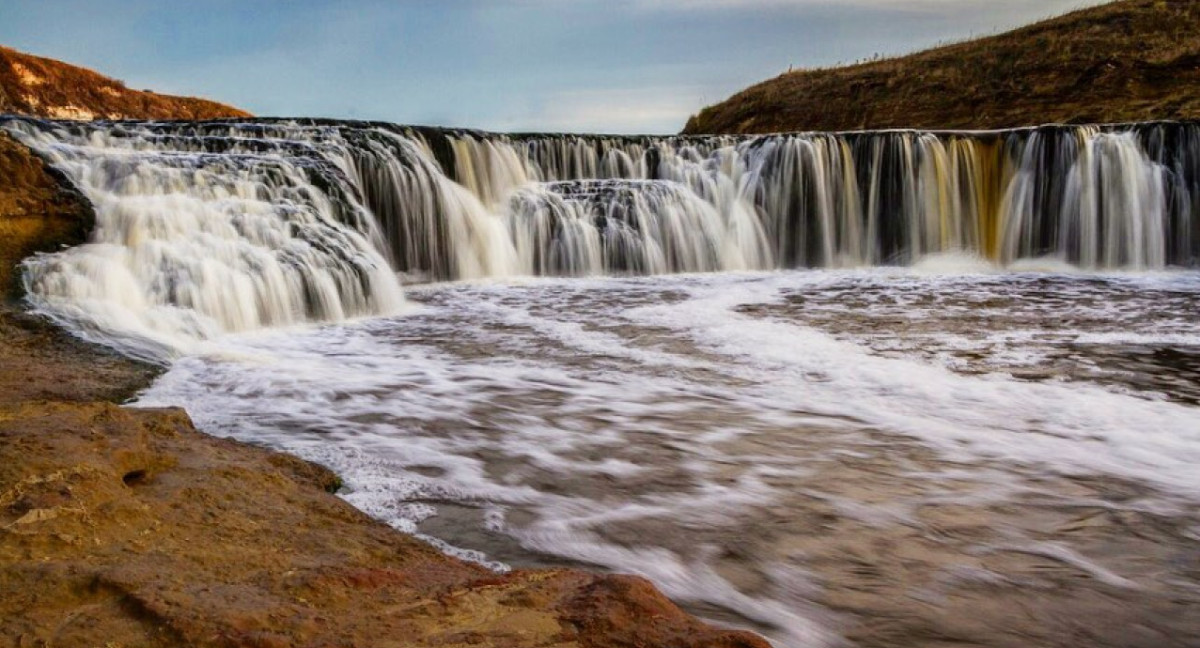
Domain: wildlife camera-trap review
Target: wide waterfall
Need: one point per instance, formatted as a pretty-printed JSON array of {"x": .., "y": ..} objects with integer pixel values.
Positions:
[
  {"x": 850, "y": 455},
  {"x": 211, "y": 227}
]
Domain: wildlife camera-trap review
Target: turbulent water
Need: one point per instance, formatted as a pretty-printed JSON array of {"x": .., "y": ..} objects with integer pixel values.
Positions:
[
  {"x": 892, "y": 457},
  {"x": 873, "y": 388}
]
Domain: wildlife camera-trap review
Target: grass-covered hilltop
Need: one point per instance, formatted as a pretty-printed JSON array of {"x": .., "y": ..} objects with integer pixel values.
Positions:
[
  {"x": 43, "y": 87},
  {"x": 1133, "y": 60}
]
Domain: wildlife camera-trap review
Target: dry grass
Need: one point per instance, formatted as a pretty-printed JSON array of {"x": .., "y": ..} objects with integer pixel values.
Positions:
[
  {"x": 32, "y": 85},
  {"x": 1133, "y": 60}
]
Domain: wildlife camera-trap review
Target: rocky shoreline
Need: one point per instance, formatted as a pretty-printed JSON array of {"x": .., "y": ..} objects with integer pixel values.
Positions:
[{"x": 128, "y": 527}]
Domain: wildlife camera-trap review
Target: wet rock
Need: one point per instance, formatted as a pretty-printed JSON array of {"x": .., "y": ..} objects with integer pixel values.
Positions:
[{"x": 39, "y": 212}]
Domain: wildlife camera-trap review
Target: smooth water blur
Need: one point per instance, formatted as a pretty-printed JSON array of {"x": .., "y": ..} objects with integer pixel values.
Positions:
[
  {"x": 878, "y": 457},
  {"x": 987, "y": 448},
  {"x": 208, "y": 228}
]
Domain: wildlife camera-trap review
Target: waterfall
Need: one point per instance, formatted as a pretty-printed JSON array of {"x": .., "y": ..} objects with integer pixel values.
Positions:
[
  {"x": 204, "y": 230},
  {"x": 212, "y": 227},
  {"x": 1100, "y": 198},
  {"x": 629, "y": 227},
  {"x": 436, "y": 227}
]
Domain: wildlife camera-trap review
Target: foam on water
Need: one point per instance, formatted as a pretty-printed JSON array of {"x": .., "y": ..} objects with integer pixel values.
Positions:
[
  {"x": 955, "y": 262},
  {"x": 1074, "y": 429},
  {"x": 643, "y": 424}
]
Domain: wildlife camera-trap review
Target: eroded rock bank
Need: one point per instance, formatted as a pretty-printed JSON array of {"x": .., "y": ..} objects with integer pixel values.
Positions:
[{"x": 128, "y": 527}]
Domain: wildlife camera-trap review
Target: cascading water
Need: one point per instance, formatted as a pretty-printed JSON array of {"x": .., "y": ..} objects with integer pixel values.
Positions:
[
  {"x": 769, "y": 448},
  {"x": 1118, "y": 197},
  {"x": 640, "y": 227},
  {"x": 205, "y": 228},
  {"x": 200, "y": 233}
]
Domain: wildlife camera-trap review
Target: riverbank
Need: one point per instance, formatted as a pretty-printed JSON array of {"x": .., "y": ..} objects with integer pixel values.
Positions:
[{"x": 128, "y": 527}]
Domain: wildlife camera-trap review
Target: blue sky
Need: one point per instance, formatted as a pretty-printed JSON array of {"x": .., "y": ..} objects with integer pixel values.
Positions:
[{"x": 621, "y": 66}]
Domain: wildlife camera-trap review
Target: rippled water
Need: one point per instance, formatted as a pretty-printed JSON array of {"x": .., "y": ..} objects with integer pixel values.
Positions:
[{"x": 873, "y": 458}]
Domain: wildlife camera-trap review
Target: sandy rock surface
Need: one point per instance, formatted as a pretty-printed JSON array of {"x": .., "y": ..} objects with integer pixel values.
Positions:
[
  {"x": 38, "y": 212},
  {"x": 128, "y": 527}
]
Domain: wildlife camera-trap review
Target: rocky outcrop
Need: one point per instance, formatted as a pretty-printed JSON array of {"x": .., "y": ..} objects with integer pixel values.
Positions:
[
  {"x": 39, "y": 211},
  {"x": 43, "y": 87}
]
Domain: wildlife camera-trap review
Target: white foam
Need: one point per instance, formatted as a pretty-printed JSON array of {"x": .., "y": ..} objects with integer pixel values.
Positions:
[
  {"x": 1076, "y": 429},
  {"x": 566, "y": 410},
  {"x": 1046, "y": 264},
  {"x": 954, "y": 262}
]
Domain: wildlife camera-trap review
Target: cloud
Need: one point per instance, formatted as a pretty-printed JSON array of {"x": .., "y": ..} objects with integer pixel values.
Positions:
[{"x": 657, "y": 110}]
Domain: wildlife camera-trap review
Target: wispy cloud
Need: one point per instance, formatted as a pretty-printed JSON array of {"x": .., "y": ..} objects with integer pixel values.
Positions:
[{"x": 655, "y": 110}]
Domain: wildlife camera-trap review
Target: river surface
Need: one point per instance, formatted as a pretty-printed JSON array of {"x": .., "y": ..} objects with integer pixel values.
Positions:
[{"x": 876, "y": 457}]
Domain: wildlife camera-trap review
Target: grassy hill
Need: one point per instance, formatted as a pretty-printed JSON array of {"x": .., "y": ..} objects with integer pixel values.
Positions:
[
  {"x": 32, "y": 85},
  {"x": 1132, "y": 60},
  {"x": 38, "y": 211}
]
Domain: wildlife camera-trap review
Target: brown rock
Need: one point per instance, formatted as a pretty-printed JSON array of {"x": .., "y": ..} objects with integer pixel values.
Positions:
[
  {"x": 214, "y": 543},
  {"x": 39, "y": 211},
  {"x": 41, "y": 362}
]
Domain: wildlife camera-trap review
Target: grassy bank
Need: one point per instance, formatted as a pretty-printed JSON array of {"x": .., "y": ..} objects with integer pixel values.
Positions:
[{"x": 1134, "y": 60}]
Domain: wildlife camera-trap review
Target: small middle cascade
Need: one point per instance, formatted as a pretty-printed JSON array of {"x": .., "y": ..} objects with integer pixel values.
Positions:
[{"x": 637, "y": 227}]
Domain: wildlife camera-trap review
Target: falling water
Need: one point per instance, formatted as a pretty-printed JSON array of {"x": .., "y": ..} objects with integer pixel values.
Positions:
[
  {"x": 1117, "y": 197},
  {"x": 206, "y": 228},
  {"x": 770, "y": 448},
  {"x": 198, "y": 235},
  {"x": 637, "y": 227}
]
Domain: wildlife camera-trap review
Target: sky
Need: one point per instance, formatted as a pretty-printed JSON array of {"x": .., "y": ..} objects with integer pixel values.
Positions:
[{"x": 616, "y": 66}]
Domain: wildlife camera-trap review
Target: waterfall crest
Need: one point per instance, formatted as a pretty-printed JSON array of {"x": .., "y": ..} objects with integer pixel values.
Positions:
[{"x": 211, "y": 227}]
